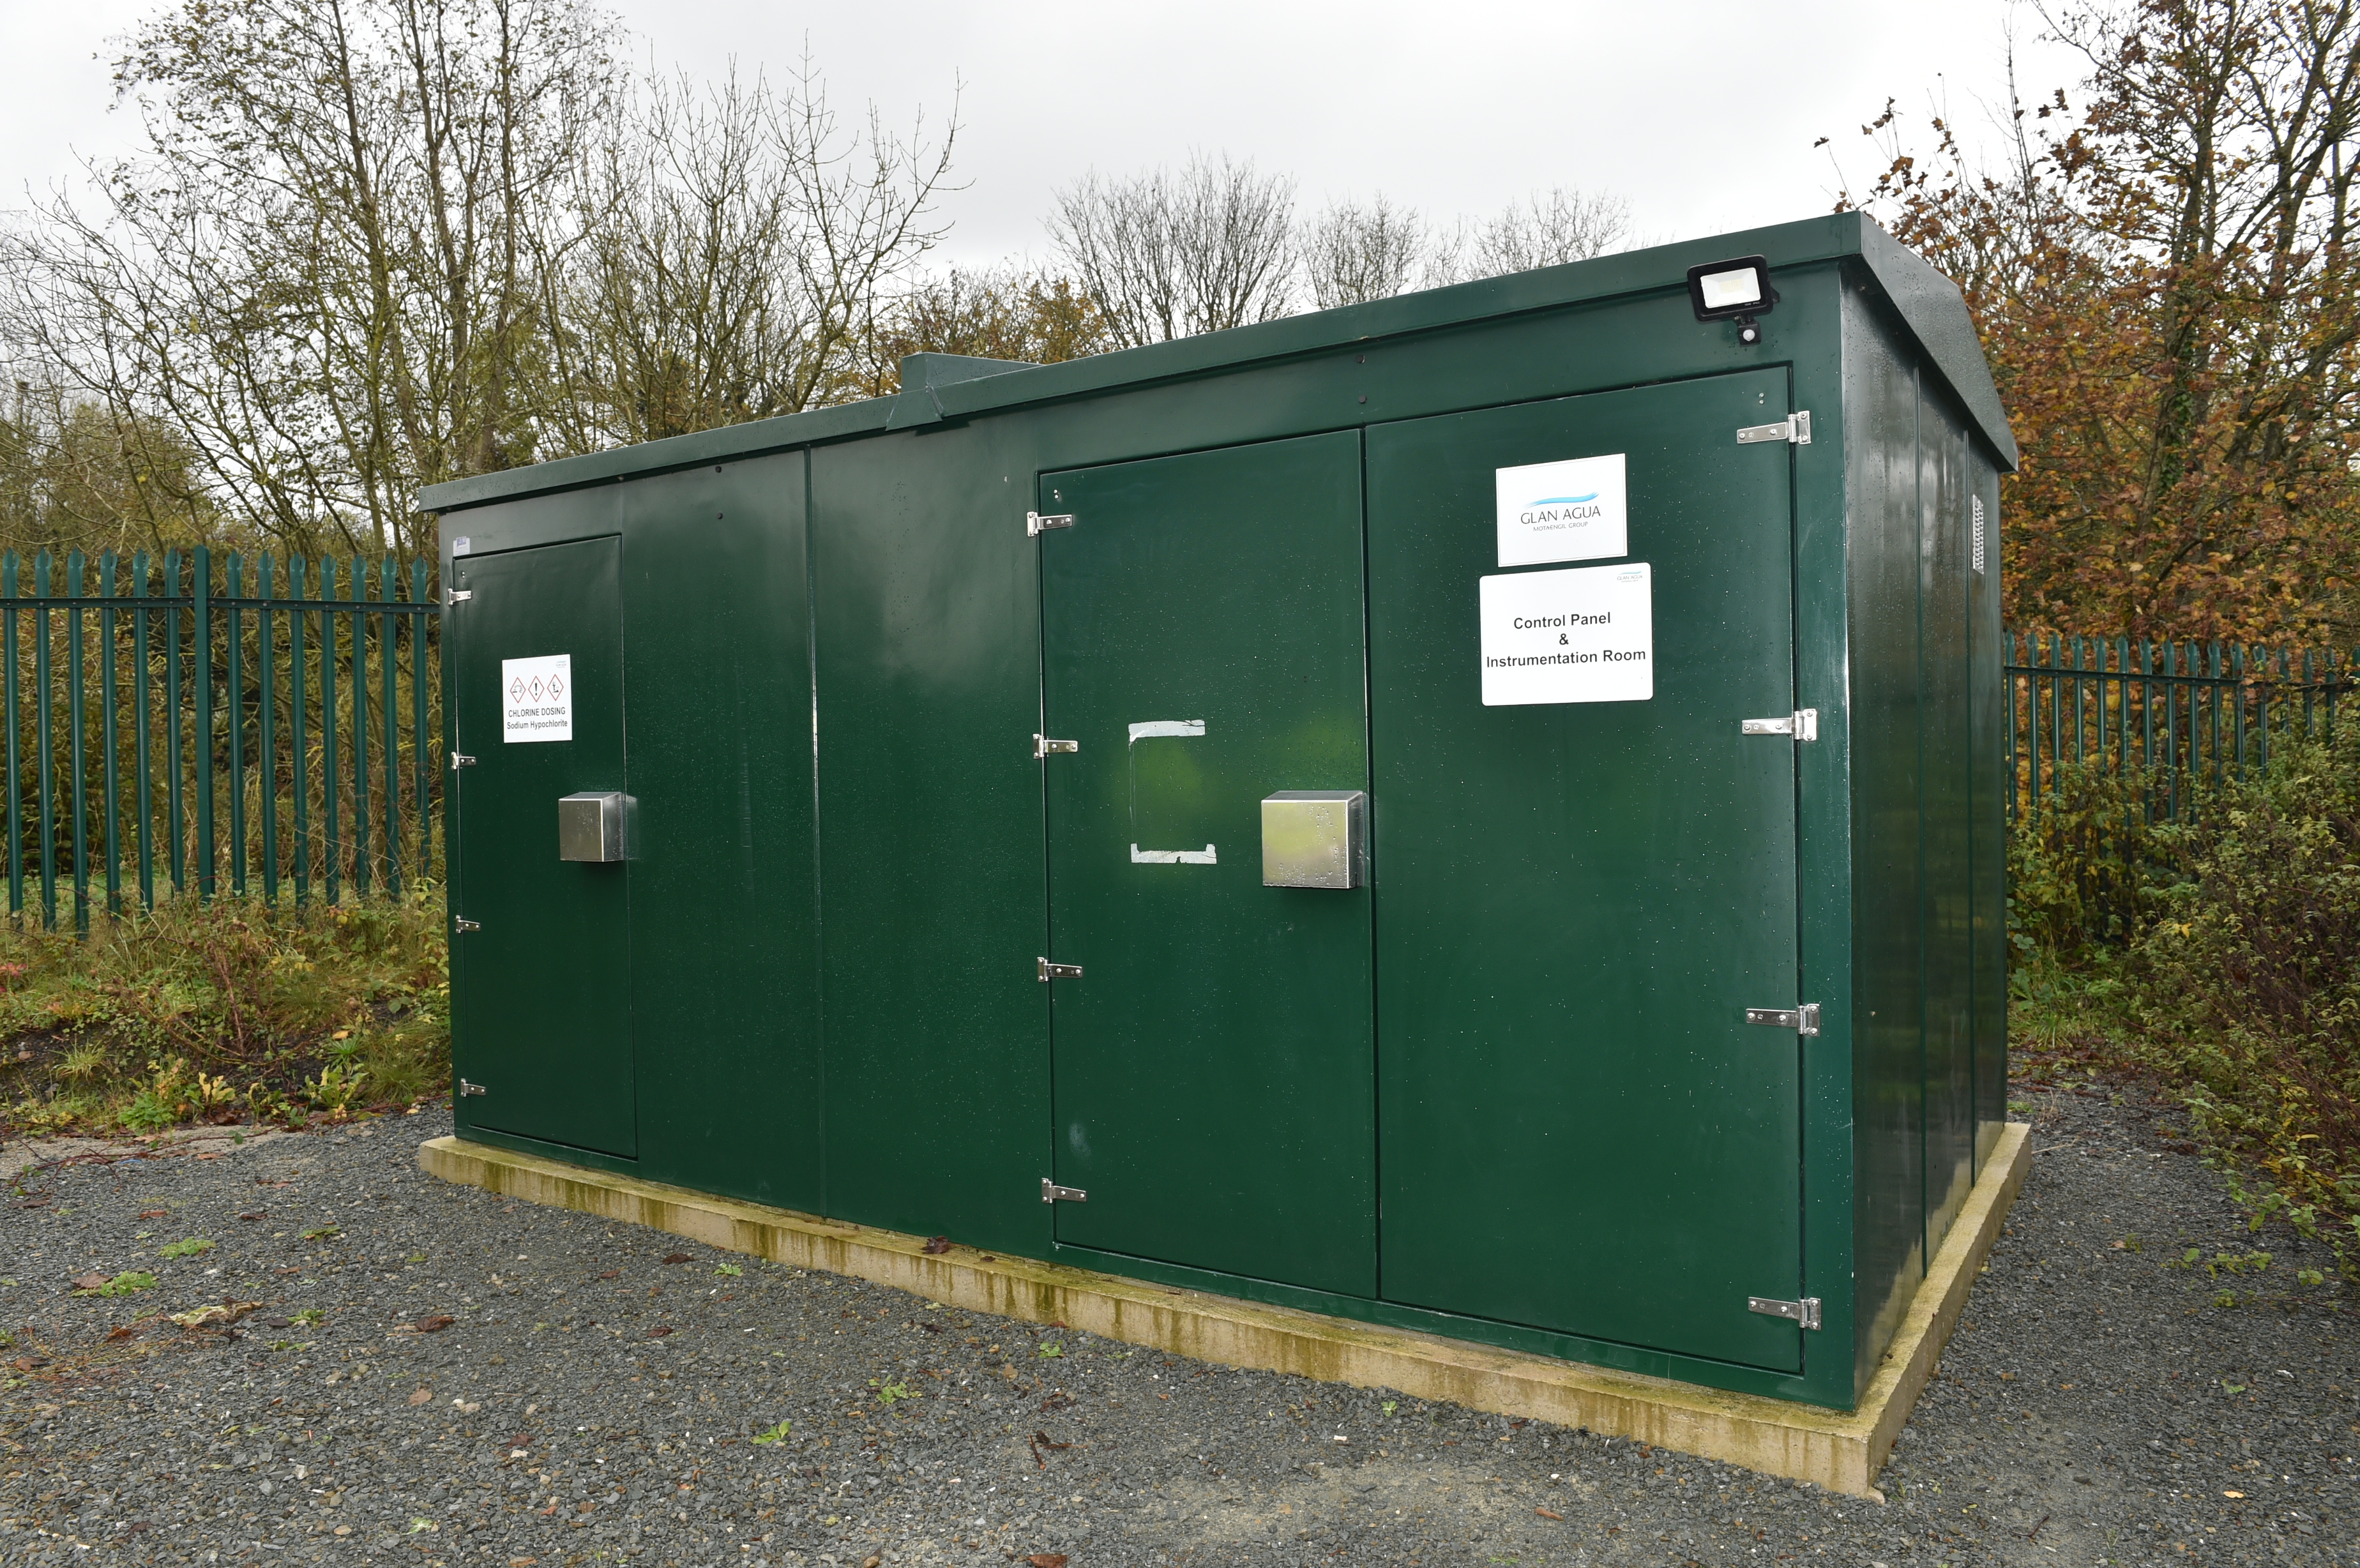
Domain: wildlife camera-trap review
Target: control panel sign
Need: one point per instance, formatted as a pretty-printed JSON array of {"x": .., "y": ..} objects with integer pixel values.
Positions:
[{"x": 1583, "y": 635}]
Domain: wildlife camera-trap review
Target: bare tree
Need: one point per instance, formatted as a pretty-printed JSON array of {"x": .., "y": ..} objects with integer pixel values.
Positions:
[
  {"x": 738, "y": 244},
  {"x": 1541, "y": 231},
  {"x": 1355, "y": 253},
  {"x": 373, "y": 245},
  {"x": 1167, "y": 256}
]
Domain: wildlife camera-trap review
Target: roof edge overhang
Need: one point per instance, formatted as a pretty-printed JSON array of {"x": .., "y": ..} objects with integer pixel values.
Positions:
[{"x": 1928, "y": 304}]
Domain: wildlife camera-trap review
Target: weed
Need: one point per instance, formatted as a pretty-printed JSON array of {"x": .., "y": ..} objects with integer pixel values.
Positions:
[
  {"x": 122, "y": 1284},
  {"x": 309, "y": 1317},
  {"x": 776, "y": 1434},
  {"x": 731, "y": 1269},
  {"x": 323, "y": 1232},
  {"x": 888, "y": 1393},
  {"x": 1052, "y": 1349},
  {"x": 188, "y": 1247}
]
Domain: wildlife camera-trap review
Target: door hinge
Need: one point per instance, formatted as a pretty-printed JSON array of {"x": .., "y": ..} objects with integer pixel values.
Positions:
[
  {"x": 1804, "y": 1020},
  {"x": 461, "y": 759},
  {"x": 1803, "y": 723},
  {"x": 466, "y": 1088},
  {"x": 1035, "y": 525},
  {"x": 1049, "y": 971},
  {"x": 464, "y": 924},
  {"x": 461, "y": 595},
  {"x": 1805, "y": 1311},
  {"x": 1053, "y": 1194},
  {"x": 1795, "y": 428},
  {"x": 1042, "y": 746}
]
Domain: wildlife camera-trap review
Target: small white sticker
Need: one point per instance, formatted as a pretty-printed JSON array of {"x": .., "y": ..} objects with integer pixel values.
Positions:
[
  {"x": 1584, "y": 635},
  {"x": 537, "y": 698},
  {"x": 1562, "y": 511},
  {"x": 460, "y": 545}
]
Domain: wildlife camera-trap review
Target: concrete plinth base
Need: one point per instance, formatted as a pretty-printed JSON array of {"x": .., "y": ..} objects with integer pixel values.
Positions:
[{"x": 1839, "y": 1450}]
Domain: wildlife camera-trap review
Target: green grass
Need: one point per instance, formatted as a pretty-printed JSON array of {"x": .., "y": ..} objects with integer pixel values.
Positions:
[{"x": 227, "y": 1013}]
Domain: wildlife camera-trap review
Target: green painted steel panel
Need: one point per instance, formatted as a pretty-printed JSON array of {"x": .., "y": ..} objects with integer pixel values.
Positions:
[
  {"x": 1576, "y": 903},
  {"x": 1888, "y": 937},
  {"x": 928, "y": 643},
  {"x": 1987, "y": 812},
  {"x": 1945, "y": 720},
  {"x": 724, "y": 901},
  {"x": 1213, "y": 1066},
  {"x": 540, "y": 996}
]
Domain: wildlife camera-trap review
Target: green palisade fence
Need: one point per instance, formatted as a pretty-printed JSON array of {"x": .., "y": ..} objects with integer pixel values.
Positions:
[
  {"x": 2180, "y": 715},
  {"x": 213, "y": 724}
]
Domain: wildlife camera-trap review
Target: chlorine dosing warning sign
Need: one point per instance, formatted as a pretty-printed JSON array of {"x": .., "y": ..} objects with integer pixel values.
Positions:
[
  {"x": 1587, "y": 635},
  {"x": 537, "y": 698}
]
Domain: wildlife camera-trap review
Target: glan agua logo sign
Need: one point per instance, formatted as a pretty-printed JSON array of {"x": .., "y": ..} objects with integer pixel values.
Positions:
[{"x": 1571, "y": 510}]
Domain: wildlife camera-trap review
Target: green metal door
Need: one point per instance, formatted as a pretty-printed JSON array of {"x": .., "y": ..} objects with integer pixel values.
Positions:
[
  {"x": 1582, "y": 889},
  {"x": 1213, "y": 1074},
  {"x": 541, "y": 1039}
]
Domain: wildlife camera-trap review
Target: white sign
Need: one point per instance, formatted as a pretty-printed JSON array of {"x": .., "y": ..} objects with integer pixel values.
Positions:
[
  {"x": 1562, "y": 511},
  {"x": 1583, "y": 636},
  {"x": 537, "y": 698}
]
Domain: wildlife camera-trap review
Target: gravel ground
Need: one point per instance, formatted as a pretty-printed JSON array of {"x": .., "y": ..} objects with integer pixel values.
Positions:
[{"x": 428, "y": 1375}]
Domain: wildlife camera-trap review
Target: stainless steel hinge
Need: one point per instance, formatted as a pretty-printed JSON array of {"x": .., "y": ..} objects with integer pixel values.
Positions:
[
  {"x": 1805, "y": 1311},
  {"x": 461, "y": 759},
  {"x": 464, "y": 924},
  {"x": 1042, "y": 746},
  {"x": 1804, "y": 1020},
  {"x": 466, "y": 1088},
  {"x": 1803, "y": 723},
  {"x": 461, "y": 595},
  {"x": 1049, "y": 971},
  {"x": 1035, "y": 525},
  {"x": 1795, "y": 427},
  {"x": 1053, "y": 1194}
]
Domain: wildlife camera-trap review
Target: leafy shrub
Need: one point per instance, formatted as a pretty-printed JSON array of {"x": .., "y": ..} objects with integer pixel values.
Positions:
[
  {"x": 322, "y": 1007},
  {"x": 2248, "y": 983},
  {"x": 2081, "y": 861}
]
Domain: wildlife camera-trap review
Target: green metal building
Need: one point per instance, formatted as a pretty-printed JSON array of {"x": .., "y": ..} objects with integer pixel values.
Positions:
[{"x": 1477, "y": 812}]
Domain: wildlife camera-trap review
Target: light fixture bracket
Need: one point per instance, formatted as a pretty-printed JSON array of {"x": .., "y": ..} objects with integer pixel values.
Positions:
[{"x": 1756, "y": 303}]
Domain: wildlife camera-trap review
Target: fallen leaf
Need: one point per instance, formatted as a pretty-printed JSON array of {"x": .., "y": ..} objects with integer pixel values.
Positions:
[
  {"x": 659, "y": 1331},
  {"x": 256, "y": 1215},
  {"x": 214, "y": 1316},
  {"x": 1546, "y": 1515},
  {"x": 464, "y": 1408},
  {"x": 612, "y": 1274},
  {"x": 435, "y": 1324},
  {"x": 210, "y": 1154},
  {"x": 522, "y": 1561},
  {"x": 155, "y": 1213},
  {"x": 2232, "y": 1494},
  {"x": 937, "y": 1246},
  {"x": 88, "y": 1282},
  {"x": 677, "y": 1258},
  {"x": 1038, "y": 1560},
  {"x": 119, "y": 1334},
  {"x": 279, "y": 1323},
  {"x": 420, "y": 1395}
]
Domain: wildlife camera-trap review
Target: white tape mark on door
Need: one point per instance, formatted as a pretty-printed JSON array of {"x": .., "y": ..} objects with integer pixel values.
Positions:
[
  {"x": 537, "y": 698},
  {"x": 1587, "y": 635}
]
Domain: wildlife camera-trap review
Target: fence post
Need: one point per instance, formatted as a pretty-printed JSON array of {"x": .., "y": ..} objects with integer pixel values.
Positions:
[
  {"x": 140, "y": 682},
  {"x": 45, "y": 736},
  {"x": 266, "y": 642},
  {"x": 15, "y": 726},
  {"x": 359, "y": 620},
  {"x": 389, "y": 713},
  {"x": 109, "y": 738},
  {"x": 201, "y": 619},
  {"x": 422, "y": 763},
  {"x": 298, "y": 698},
  {"x": 234, "y": 633},
  {"x": 328, "y": 724}
]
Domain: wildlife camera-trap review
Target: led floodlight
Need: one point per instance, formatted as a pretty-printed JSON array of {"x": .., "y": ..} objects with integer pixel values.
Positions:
[{"x": 1736, "y": 290}]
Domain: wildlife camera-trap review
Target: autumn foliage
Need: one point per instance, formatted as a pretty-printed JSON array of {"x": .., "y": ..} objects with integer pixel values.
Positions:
[{"x": 2165, "y": 286}]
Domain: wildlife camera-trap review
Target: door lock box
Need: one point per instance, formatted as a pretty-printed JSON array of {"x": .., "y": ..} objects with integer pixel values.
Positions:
[
  {"x": 1314, "y": 838},
  {"x": 591, "y": 826}
]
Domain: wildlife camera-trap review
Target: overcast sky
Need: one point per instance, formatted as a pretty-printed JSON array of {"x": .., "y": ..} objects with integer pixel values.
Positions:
[{"x": 1702, "y": 114}]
